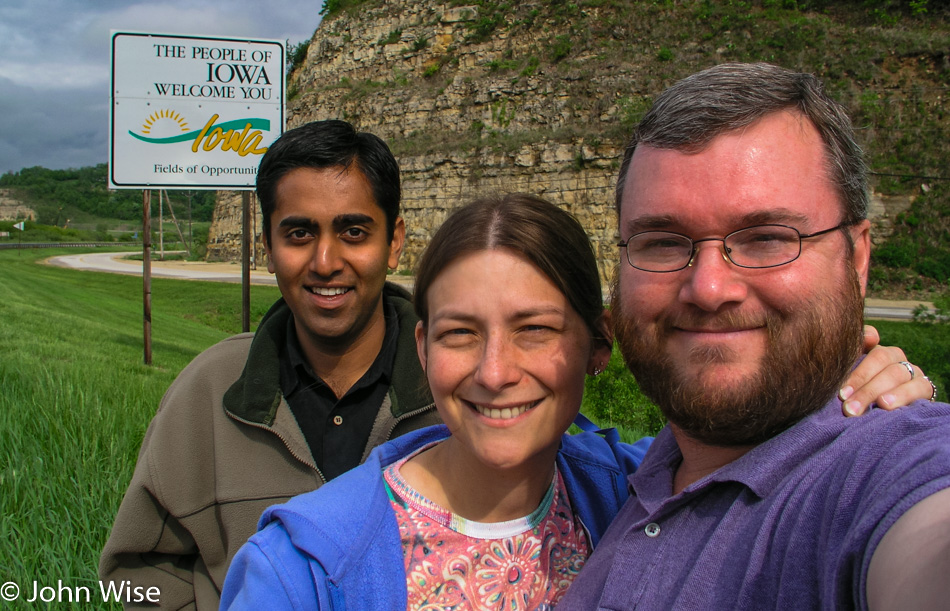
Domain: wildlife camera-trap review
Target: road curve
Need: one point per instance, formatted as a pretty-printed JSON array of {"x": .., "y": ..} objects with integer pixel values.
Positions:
[{"x": 118, "y": 263}]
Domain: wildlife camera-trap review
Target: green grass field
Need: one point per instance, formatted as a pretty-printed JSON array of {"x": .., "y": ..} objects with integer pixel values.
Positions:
[{"x": 76, "y": 398}]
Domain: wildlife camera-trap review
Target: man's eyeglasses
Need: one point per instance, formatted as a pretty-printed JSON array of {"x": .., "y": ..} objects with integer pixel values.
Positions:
[{"x": 753, "y": 247}]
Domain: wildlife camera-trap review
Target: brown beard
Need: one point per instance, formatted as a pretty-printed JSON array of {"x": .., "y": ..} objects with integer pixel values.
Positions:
[{"x": 810, "y": 350}]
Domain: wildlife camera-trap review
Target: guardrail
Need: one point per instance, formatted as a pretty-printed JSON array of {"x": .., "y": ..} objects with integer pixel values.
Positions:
[{"x": 14, "y": 246}]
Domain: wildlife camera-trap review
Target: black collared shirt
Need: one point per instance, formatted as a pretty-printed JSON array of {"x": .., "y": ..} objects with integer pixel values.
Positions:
[{"x": 337, "y": 429}]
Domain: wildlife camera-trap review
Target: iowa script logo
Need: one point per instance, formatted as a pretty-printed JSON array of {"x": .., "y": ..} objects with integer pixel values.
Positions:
[{"x": 242, "y": 136}]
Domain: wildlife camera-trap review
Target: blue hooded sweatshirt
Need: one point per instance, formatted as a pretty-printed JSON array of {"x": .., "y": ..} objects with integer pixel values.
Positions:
[{"x": 338, "y": 547}]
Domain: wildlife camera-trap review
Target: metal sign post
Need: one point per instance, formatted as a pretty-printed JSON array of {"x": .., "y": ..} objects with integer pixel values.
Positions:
[
  {"x": 245, "y": 261},
  {"x": 147, "y": 273},
  {"x": 19, "y": 240}
]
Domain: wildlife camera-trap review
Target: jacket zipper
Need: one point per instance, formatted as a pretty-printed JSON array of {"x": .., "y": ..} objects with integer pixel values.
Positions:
[
  {"x": 258, "y": 425},
  {"x": 399, "y": 419}
]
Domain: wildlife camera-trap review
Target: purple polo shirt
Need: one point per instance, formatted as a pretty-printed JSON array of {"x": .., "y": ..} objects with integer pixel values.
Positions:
[{"x": 792, "y": 524}]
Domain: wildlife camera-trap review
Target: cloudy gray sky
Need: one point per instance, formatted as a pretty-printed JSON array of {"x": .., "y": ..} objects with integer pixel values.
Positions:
[{"x": 55, "y": 71}]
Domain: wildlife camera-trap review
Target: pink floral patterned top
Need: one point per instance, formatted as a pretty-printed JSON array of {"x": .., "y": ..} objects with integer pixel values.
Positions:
[{"x": 457, "y": 564}]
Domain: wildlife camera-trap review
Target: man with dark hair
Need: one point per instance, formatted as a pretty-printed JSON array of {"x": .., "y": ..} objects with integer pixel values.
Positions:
[
  {"x": 738, "y": 306},
  {"x": 330, "y": 373}
]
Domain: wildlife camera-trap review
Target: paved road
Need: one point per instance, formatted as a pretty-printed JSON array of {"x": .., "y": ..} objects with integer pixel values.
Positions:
[{"x": 116, "y": 262}]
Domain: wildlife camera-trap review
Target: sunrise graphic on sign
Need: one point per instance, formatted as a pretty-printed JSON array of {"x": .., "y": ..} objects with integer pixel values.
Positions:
[{"x": 162, "y": 120}]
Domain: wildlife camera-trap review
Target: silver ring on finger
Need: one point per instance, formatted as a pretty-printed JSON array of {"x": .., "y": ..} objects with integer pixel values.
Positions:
[
  {"x": 909, "y": 367},
  {"x": 933, "y": 396}
]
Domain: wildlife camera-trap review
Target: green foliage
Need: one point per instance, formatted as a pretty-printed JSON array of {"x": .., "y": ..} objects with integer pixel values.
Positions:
[
  {"x": 530, "y": 19},
  {"x": 502, "y": 112},
  {"x": 614, "y": 399},
  {"x": 400, "y": 77},
  {"x": 561, "y": 47},
  {"x": 531, "y": 66},
  {"x": 491, "y": 16},
  {"x": 940, "y": 314},
  {"x": 496, "y": 65},
  {"x": 664, "y": 54},
  {"x": 420, "y": 44},
  {"x": 632, "y": 110},
  {"x": 36, "y": 232},
  {"x": 918, "y": 7},
  {"x": 333, "y": 7},
  {"x": 82, "y": 196},
  {"x": 296, "y": 54},
  {"x": 899, "y": 251},
  {"x": 199, "y": 242},
  {"x": 476, "y": 127},
  {"x": 392, "y": 38},
  {"x": 361, "y": 88},
  {"x": 920, "y": 243}
]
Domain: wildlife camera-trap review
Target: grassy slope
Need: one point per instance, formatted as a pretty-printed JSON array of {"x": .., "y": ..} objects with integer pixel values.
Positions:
[{"x": 75, "y": 399}]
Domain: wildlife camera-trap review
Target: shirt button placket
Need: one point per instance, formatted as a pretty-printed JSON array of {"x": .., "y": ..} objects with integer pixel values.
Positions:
[
  {"x": 338, "y": 420},
  {"x": 652, "y": 530}
]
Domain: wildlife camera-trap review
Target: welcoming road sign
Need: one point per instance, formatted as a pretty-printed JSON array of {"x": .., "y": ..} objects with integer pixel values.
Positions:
[{"x": 192, "y": 112}]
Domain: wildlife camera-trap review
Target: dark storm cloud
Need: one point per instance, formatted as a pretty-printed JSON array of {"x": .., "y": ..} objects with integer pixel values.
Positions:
[
  {"x": 54, "y": 128},
  {"x": 54, "y": 65}
]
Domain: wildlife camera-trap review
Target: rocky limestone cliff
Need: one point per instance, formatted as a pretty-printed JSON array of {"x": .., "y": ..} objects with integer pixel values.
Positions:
[
  {"x": 506, "y": 130},
  {"x": 536, "y": 97},
  {"x": 12, "y": 209}
]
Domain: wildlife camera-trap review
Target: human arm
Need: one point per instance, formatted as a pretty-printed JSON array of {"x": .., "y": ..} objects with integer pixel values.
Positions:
[
  {"x": 151, "y": 548},
  {"x": 910, "y": 566},
  {"x": 881, "y": 378}
]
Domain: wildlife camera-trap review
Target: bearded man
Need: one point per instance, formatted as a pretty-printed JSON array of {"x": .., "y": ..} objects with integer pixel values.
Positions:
[{"x": 742, "y": 205}]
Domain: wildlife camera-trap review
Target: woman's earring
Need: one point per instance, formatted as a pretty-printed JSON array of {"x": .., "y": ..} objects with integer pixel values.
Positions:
[{"x": 598, "y": 369}]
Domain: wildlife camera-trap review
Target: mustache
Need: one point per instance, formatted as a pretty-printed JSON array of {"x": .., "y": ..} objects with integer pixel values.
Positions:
[{"x": 719, "y": 321}]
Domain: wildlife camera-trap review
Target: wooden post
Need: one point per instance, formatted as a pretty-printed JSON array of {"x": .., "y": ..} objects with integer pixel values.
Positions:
[
  {"x": 147, "y": 272},
  {"x": 245, "y": 261}
]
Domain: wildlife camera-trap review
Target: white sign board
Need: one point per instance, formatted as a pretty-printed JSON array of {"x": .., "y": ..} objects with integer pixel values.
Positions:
[{"x": 192, "y": 112}]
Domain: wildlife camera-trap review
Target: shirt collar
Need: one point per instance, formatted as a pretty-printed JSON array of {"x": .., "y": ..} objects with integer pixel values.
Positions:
[
  {"x": 760, "y": 469},
  {"x": 296, "y": 372}
]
